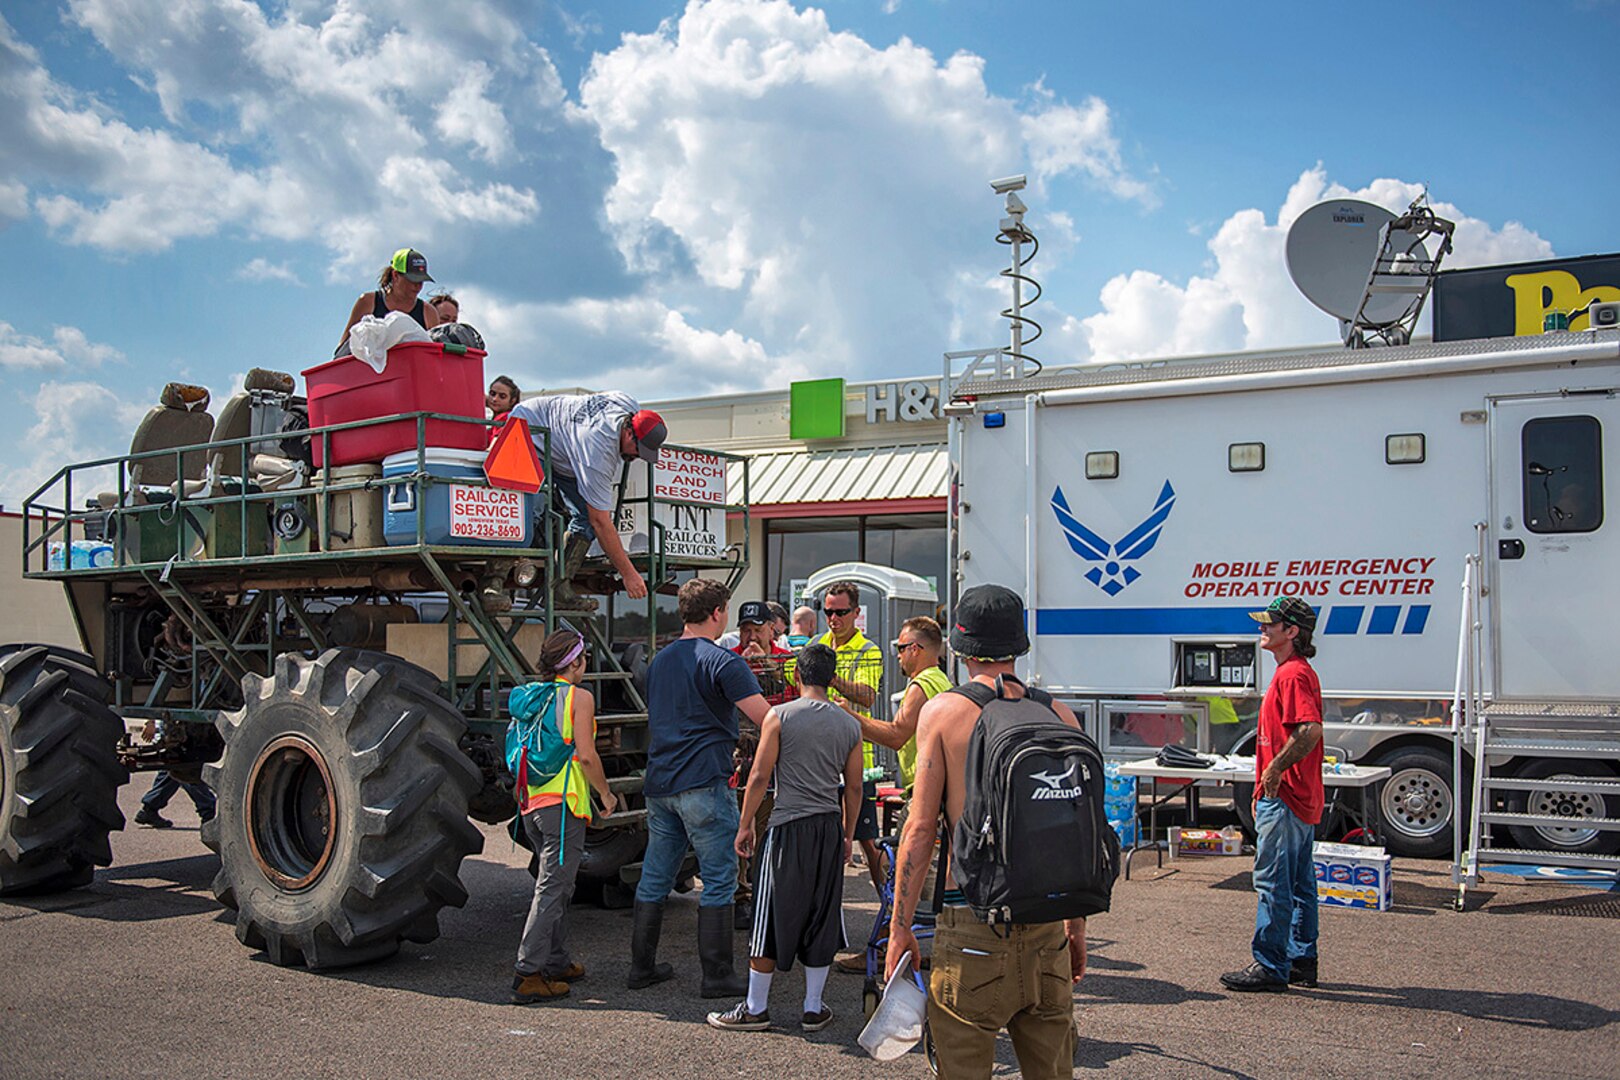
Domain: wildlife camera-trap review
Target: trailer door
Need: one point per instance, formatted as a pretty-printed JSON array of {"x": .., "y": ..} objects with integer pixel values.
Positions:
[{"x": 1555, "y": 537}]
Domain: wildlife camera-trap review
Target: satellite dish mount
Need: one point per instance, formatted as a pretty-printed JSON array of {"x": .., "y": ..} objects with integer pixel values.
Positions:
[{"x": 1368, "y": 267}]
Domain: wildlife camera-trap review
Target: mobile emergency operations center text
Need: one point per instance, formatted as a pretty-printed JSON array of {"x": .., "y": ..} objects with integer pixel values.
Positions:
[{"x": 1143, "y": 510}]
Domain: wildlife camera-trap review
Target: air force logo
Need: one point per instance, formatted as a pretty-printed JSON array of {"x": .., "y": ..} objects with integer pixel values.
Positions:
[{"x": 1115, "y": 571}]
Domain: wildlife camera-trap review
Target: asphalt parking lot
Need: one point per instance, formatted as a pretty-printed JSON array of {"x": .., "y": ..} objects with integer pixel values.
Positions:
[{"x": 140, "y": 975}]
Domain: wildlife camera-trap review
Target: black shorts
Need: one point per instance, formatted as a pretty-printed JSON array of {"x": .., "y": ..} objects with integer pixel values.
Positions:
[
  {"x": 799, "y": 902},
  {"x": 866, "y": 826}
]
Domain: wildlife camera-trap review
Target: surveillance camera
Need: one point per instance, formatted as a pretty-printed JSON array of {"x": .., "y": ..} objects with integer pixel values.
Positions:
[{"x": 1008, "y": 184}]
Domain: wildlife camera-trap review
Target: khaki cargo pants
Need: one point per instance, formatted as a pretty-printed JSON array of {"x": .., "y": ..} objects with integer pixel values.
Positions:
[{"x": 987, "y": 979}]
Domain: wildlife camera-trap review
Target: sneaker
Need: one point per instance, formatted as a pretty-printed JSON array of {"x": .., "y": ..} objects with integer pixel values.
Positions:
[
  {"x": 572, "y": 973},
  {"x": 1302, "y": 972},
  {"x": 151, "y": 818},
  {"x": 1253, "y": 979},
  {"x": 205, "y": 817},
  {"x": 815, "y": 1021},
  {"x": 738, "y": 1018},
  {"x": 533, "y": 989}
]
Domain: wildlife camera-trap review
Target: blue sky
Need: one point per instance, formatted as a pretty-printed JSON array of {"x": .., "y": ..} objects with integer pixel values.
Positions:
[{"x": 729, "y": 194}]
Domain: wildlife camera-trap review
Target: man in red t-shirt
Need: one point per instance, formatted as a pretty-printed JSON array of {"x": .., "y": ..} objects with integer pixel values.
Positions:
[{"x": 1288, "y": 805}]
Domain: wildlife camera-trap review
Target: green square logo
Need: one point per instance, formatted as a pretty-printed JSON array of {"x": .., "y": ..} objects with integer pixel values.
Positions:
[{"x": 816, "y": 409}]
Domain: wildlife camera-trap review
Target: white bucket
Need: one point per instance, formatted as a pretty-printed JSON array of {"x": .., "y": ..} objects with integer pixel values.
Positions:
[{"x": 897, "y": 1025}]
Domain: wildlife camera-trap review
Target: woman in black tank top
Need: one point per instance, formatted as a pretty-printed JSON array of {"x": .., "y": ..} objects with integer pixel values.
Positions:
[{"x": 399, "y": 289}]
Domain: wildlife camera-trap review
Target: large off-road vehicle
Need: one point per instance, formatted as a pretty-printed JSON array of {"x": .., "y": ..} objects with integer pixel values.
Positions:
[{"x": 243, "y": 620}]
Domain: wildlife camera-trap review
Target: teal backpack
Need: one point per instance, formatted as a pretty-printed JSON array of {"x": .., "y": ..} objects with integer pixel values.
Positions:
[{"x": 535, "y": 748}]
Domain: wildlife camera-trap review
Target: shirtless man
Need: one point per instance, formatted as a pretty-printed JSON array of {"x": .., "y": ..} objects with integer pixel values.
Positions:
[{"x": 988, "y": 636}]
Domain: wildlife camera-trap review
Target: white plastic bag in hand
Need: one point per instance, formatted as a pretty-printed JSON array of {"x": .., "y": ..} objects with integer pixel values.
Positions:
[{"x": 371, "y": 337}]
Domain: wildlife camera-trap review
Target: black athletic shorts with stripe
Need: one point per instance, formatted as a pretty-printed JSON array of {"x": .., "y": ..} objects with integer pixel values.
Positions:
[{"x": 799, "y": 902}]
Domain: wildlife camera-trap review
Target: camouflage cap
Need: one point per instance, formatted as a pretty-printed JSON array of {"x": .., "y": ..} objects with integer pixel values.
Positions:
[{"x": 1288, "y": 609}]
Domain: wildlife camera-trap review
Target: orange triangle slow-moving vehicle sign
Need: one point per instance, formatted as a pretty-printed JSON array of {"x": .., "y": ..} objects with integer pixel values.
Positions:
[{"x": 511, "y": 461}]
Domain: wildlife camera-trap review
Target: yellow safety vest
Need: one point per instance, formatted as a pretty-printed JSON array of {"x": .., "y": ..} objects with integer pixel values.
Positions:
[
  {"x": 933, "y": 682},
  {"x": 859, "y": 661}
]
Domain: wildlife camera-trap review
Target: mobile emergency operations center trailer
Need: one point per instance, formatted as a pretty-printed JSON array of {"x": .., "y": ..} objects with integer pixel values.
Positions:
[{"x": 1144, "y": 510}]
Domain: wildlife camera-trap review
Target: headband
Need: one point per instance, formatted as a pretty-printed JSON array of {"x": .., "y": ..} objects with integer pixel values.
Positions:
[{"x": 573, "y": 654}]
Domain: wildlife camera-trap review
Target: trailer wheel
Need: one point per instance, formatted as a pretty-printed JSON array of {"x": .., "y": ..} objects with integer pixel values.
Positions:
[
  {"x": 1570, "y": 804},
  {"x": 342, "y": 816},
  {"x": 1417, "y": 804},
  {"x": 59, "y": 770}
]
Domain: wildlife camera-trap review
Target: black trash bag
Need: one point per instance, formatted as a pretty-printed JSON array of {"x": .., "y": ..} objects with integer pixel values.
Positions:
[{"x": 458, "y": 333}]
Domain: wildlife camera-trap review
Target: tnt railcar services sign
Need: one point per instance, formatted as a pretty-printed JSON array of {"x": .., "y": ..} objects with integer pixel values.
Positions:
[
  {"x": 1514, "y": 301},
  {"x": 693, "y": 518}
]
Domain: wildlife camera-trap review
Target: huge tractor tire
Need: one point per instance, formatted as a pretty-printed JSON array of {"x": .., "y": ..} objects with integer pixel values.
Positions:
[
  {"x": 59, "y": 770},
  {"x": 342, "y": 816}
]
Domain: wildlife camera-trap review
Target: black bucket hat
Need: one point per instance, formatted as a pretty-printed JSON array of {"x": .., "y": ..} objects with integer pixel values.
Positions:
[{"x": 989, "y": 624}]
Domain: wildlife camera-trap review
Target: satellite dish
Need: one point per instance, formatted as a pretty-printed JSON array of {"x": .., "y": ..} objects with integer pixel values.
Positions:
[{"x": 1330, "y": 252}]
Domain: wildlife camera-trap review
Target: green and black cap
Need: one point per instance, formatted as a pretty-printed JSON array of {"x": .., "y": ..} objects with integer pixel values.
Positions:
[
  {"x": 1287, "y": 609},
  {"x": 411, "y": 263}
]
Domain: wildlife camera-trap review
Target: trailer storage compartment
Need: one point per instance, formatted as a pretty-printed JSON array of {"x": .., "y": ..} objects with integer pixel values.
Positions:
[
  {"x": 421, "y": 376},
  {"x": 452, "y": 513}
]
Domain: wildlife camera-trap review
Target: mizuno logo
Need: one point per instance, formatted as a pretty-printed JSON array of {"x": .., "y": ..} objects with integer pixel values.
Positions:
[
  {"x": 1052, "y": 790},
  {"x": 1115, "y": 571},
  {"x": 1053, "y": 781}
]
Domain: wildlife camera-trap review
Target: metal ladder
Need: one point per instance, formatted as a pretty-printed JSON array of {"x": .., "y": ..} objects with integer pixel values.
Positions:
[{"x": 1499, "y": 730}]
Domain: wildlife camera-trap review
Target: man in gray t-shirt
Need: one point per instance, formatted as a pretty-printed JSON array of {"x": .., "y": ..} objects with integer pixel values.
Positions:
[
  {"x": 813, "y": 746},
  {"x": 592, "y": 435}
]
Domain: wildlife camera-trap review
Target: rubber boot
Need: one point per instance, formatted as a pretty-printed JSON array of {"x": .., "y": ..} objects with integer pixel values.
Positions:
[
  {"x": 647, "y": 922},
  {"x": 715, "y": 931},
  {"x": 575, "y": 548}
]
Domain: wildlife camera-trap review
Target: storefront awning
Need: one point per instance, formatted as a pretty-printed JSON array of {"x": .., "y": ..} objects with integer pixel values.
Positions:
[{"x": 852, "y": 480}]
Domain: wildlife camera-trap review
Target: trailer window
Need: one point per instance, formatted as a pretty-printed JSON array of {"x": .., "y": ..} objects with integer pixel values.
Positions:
[{"x": 1563, "y": 474}]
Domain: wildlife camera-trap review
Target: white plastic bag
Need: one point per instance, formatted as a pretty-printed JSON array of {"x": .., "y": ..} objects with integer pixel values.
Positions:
[{"x": 371, "y": 337}]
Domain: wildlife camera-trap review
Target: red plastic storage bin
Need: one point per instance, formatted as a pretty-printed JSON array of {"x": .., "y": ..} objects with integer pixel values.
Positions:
[{"x": 421, "y": 376}]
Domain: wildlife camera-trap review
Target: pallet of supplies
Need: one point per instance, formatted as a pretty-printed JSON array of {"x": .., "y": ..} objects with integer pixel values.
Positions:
[{"x": 1352, "y": 876}]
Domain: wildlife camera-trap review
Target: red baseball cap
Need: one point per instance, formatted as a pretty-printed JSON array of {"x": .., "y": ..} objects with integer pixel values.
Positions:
[{"x": 650, "y": 432}]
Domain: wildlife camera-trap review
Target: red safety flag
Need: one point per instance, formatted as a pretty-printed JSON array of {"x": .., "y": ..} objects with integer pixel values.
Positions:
[{"x": 511, "y": 461}]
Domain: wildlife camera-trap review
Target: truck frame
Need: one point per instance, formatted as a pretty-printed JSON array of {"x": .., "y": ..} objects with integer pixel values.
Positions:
[
  {"x": 1157, "y": 503},
  {"x": 349, "y": 773}
]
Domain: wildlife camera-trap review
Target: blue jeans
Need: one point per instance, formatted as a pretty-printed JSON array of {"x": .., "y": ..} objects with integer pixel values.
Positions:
[
  {"x": 164, "y": 785},
  {"x": 573, "y": 504},
  {"x": 1285, "y": 922},
  {"x": 705, "y": 817}
]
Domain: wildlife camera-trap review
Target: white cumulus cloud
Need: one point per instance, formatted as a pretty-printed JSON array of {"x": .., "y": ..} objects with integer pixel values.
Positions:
[
  {"x": 261, "y": 268},
  {"x": 833, "y": 189},
  {"x": 67, "y": 346},
  {"x": 74, "y": 421}
]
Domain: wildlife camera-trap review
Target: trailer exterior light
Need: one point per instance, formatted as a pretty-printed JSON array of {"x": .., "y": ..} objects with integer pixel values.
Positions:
[
  {"x": 1102, "y": 465},
  {"x": 1404, "y": 449},
  {"x": 1246, "y": 457}
]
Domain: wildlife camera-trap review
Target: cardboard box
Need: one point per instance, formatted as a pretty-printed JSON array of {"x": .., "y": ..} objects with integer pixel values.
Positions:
[
  {"x": 1184, "y": 841},
  {"x": 1352, "y": 876}
]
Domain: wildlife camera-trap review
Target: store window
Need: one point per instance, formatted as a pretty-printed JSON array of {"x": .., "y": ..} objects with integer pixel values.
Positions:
[{"x": 795, "y": 548}]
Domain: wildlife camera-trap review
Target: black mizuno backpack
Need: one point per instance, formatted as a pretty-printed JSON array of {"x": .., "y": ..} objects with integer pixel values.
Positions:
[{"x": 1033, "y": 844}]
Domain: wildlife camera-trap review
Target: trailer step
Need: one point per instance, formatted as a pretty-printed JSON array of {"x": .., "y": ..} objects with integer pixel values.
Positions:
[
  {"x": 1583, "y": 785},
  {"x": 620, "y": 819},
  {"x": 1510, "y": 708},
  {"x": 600, "y": 676},
  {"x": 1549, "y": 821},
  {"x": 621, "y": 785},
  {"x": 1607, "y": 748},
  {"x": 1524, "y": 856},
  {"x": 623, "y": 719}
]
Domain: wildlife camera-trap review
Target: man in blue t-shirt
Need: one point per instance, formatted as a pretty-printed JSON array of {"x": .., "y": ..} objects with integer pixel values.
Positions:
[{"x": 694, "y": 690}]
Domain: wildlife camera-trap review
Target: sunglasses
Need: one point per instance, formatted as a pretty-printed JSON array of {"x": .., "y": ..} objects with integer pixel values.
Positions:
[
  {"x": 900, "y": 648},
  {"x": 839, "y": 612}
]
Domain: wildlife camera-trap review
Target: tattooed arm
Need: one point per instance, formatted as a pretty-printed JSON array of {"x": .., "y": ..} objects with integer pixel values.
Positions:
[{"x": 917, "y": 844}]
